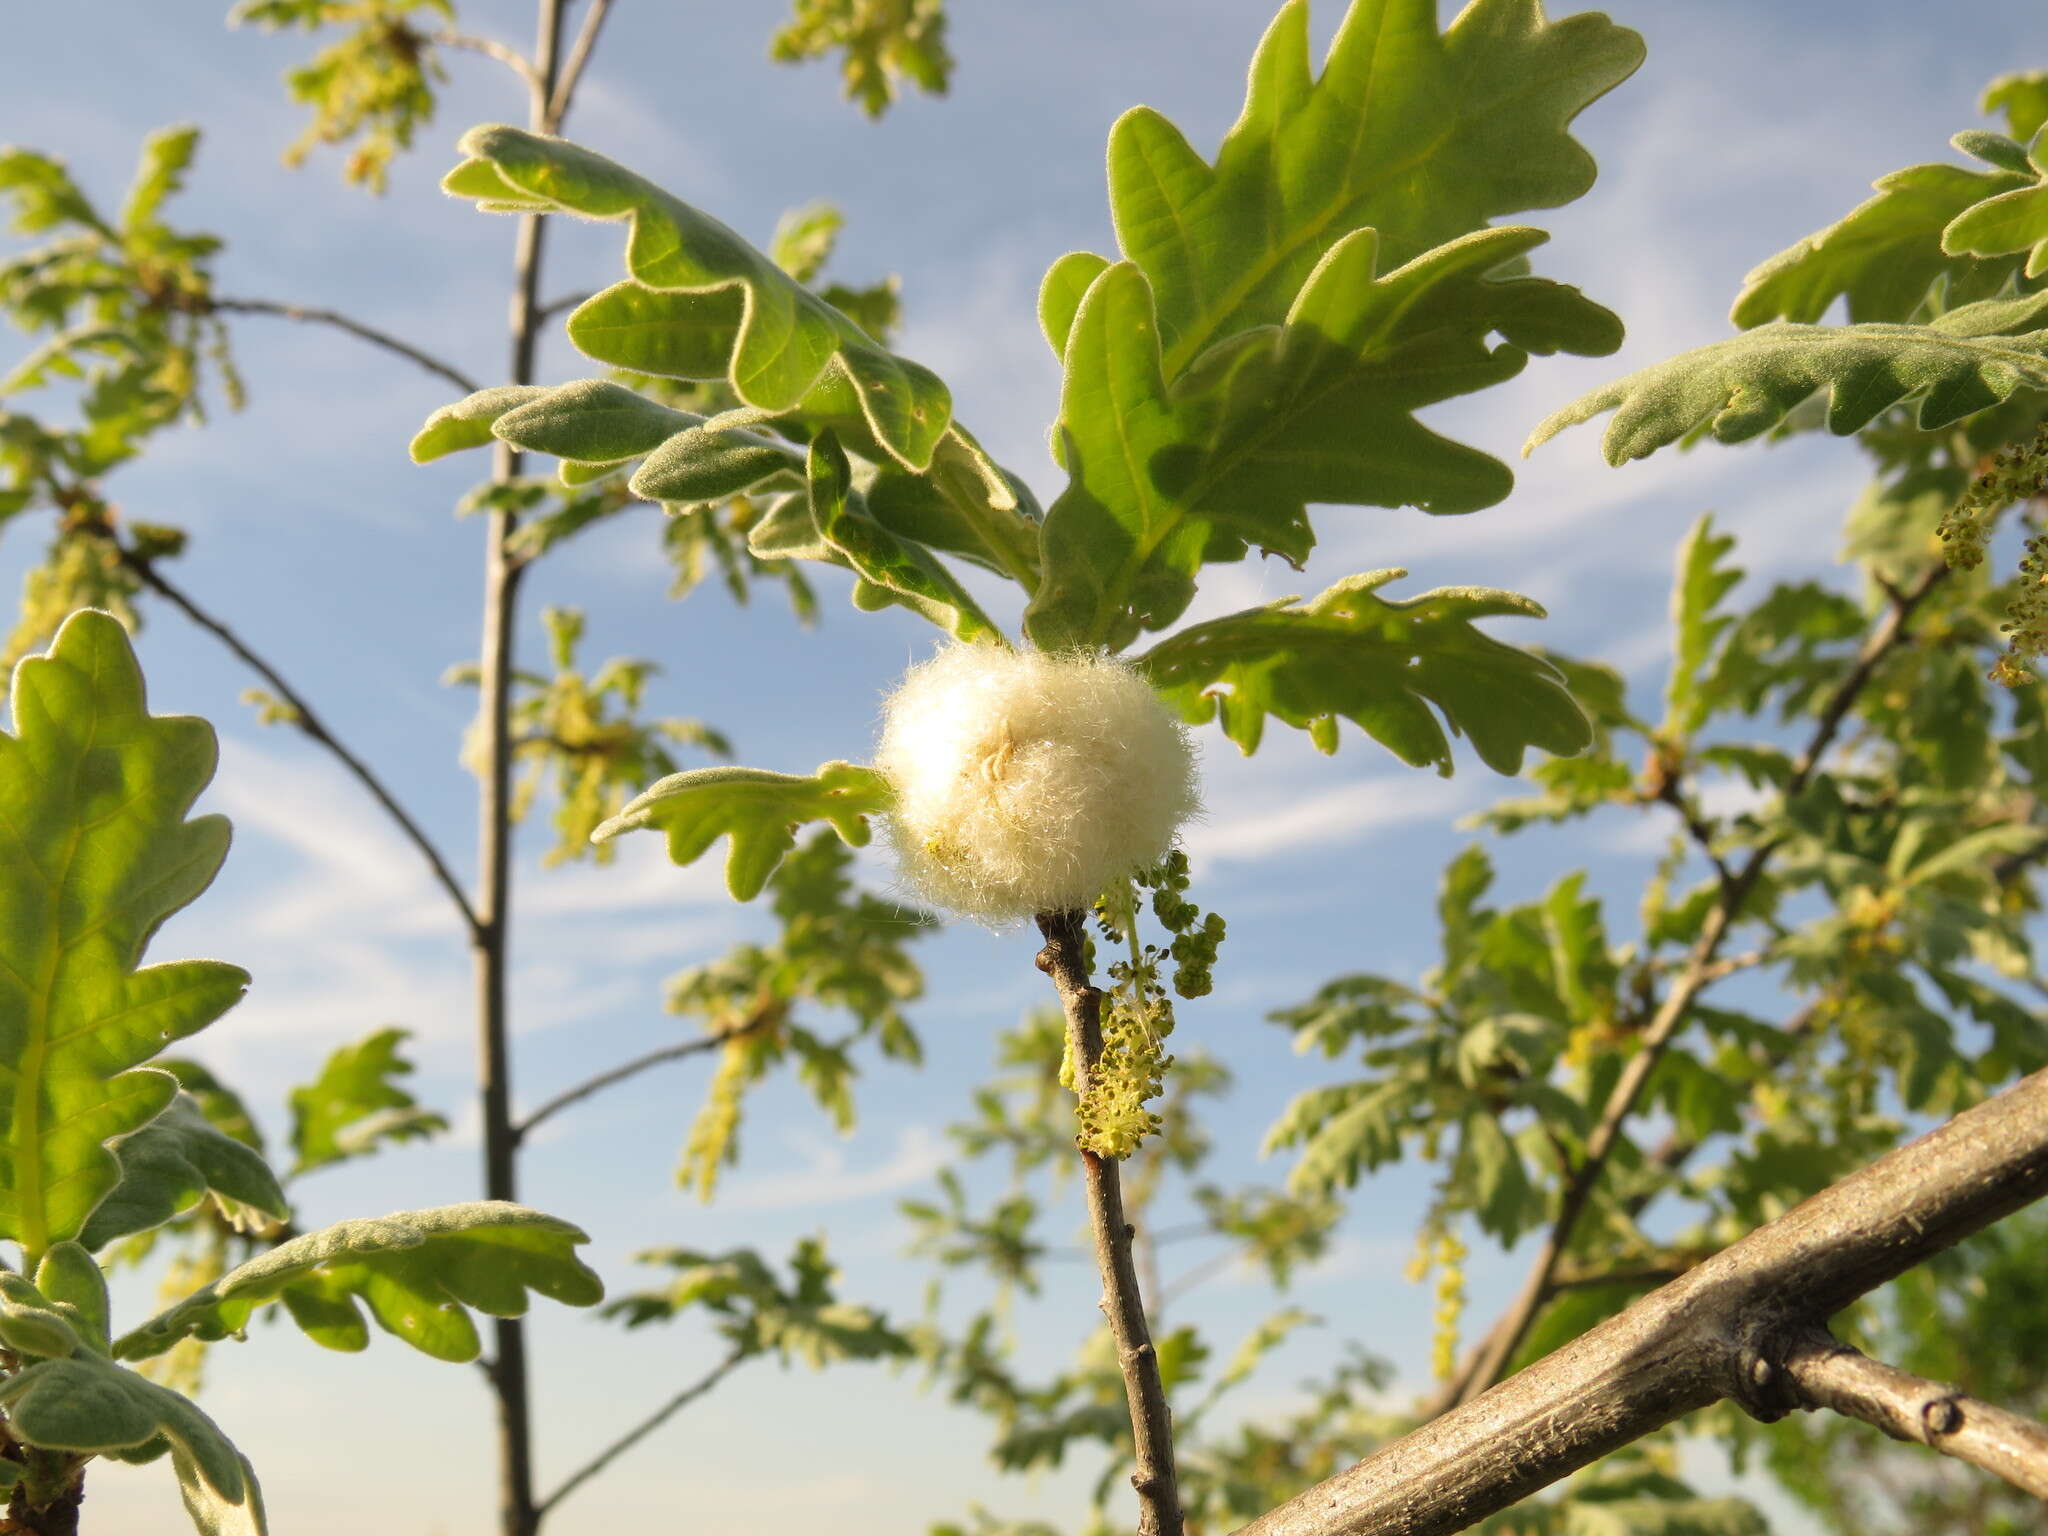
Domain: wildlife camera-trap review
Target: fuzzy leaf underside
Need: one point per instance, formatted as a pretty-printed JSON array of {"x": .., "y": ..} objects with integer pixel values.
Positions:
[
  {"x": 1379, "y": 664},
  {"x": 415, "y": 1270},
  {"x": 1883, "y": 255},
  {"x": 1168, "y": 473},
  {"x": 752, "y": 324},
  {"x": 95, "y": 853},
  {"x": 173, "y": 1163},
  {"x": 1740, "y": 388},
  {"x": 890, "y": 569},
  {"x": 468, "y": 422},
  {"x": 759, "y": 810},
  {"x": 89, "y": 1404}
]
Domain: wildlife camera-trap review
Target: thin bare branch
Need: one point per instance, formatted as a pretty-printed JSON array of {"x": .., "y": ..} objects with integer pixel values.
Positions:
[
  {"x": 490, "y": 48},
  {"x": 566, "y": 302},
  {"x": 579, "y": 55},
  {"x": 1064, "y": 959},
  {"x": 341, "y": 322},
  {"x": 1728, "y": 1328},
  {"x": 1827, "y": 1373},
  {"x": 640, "y": 1431},
  {"x": 1492, "y": 1361},
  {"x": 313, "y": 727},
  {"x": 619, "y": 1074}
]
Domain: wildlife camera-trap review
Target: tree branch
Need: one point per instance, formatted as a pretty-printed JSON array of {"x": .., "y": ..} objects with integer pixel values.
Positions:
[
  {"x": 1731, "y": 1328},
  {"x": 1064, "y": 959},
  {"x": 640, "y": 1431},
  {"x": 583, "y": 1090},
  {"x": 312, "y": 726},
  {"x": 579, "y": 55},
  {"x": 1492, "y": 1360},
  {"x": 506, "y": 55},
  {"x": 1826, "y": 1373},
  {"x": 341, "y": 322}
]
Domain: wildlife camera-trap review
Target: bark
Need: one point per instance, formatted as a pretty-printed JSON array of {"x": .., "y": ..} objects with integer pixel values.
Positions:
[{"x": 1741, "y": 1326}]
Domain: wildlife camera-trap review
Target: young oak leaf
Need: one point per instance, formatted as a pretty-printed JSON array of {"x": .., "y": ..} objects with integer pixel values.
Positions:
[
  {"x": 759, "y": 810},
  {"x": 773, "y": 339},
  {"x": 415, "y": 1270},
  {"x": 1959, "y": 363},
  {"x": 1379, "y": 664},
  {"x": 95, "y": 853}
]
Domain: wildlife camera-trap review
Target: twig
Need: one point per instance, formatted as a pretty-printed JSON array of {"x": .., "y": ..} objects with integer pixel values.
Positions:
[
  {"x": 1729, "y": 1328},
  {"x": 640, "y": 1431},
  {"x": 1502, "y": 1342},
  {"x": 554, "y": 307},
  {"x": 521, "y": 1129},
  {"x": 506, "y": 55},
  {"x": 312, "y": 726},
  {"x": 579, "y": 55},
  {"x": 1829, "y": 1374},
  {"x": 341, "y": 322},
  {"x": 1064, "y": 959}
]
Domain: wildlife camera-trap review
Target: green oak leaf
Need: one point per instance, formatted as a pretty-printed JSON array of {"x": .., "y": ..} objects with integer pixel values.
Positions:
[
  {"x": 1319, "y": 409},
  {"x": 91, "y": 1405},
  {"x": 1379, "y": 664},
  {"x": 707, "y": 462},
  {"x": 1420, "y": 134},
  {"x": 592, "y": 421},
  {"x": 761, "y": 330},
  {"x": 76, "y": 1287},
  {"x": 468, "y": 422},
  {"x": 1959, "y": 363},
  {"x": 356, "y": 1102},
  {"x": 1883, "y": 255},
  {"x": 415, "y": 1270},
  {"x": 891, "y": 570},
  {"x": 95, "y": 853},
  {"x": 2006, "y": 225},
  {"x": 173, "y": 1163},
  {"x": 29, "y": 1325},
  {"x": 2023, "y": 98},
  {"x": 759, "y": 810}
]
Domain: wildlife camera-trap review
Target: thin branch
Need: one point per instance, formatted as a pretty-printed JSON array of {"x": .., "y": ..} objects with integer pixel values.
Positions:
[
  {"x": 1492, "y": 1361},
  {"x": 567, "y": 301},
  {"x": 506, "y": 55},
  {"x": 1729, "y": 1328},
  {"x": 579, "y": 55},
  {"x": 523, "y": 1128},
  {"x": 1827, "y": 1373},
  {"x": 341, "y": 322},
  {"x": 312, "y": 726},
  {"x": 640, "y": 1431},
  {"x": 1064, "y": 959}
]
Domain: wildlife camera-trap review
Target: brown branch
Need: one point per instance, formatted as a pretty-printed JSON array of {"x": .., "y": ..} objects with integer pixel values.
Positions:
[
  {"x": 1492, "y": 1360},
  {"x": 313, "y": 727},
  {"x": 356, "y": 328},
  {"x": 640, "y": 1431},
  {"x": 523, "y": 1128},
  {"x": 579, "y": 55},
  {"x": 490, "y": 48},
  {"x": 1826, "y": 1373},
  {"x": 1730, "y": 1328},
  {"x": 1064, "y": 959}
]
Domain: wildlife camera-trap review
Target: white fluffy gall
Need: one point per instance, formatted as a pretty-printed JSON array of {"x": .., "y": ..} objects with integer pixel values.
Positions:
[{"x": 1028, "y": 782}]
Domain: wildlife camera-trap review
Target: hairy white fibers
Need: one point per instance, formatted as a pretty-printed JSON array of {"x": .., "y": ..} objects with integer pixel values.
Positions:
[{"x": 1028, "y": 782}]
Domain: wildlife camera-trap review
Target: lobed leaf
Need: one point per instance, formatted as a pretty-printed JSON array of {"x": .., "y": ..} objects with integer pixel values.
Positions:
[
  {"x": 173, "y": 1163},
  {"x": 1379, "y": 664},
  {"x": 90, "y": 1405},
  {"x": 1168, "y": 472},
  {"x": 760, "y": 811},
  {"x": 755, "y": 326},
  {"x": 1959, "y": 363},
  {"x": 356, "y": 1102},
  {"x": 415, "y": 1270},
  {"x": 95, "y": 853}
]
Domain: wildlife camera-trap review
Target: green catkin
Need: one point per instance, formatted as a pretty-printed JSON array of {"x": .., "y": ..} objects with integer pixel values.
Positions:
[
  {"x": 1137, "y": 1011},
  {"x": 2017, "y": 473}
]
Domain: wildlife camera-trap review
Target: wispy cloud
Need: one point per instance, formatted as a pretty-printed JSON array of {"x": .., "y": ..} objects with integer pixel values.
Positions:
[{"x": 828, "y": 1180}]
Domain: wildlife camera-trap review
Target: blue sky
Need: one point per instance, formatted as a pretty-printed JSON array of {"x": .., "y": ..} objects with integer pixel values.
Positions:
[{"x": 1751, "y": 124}]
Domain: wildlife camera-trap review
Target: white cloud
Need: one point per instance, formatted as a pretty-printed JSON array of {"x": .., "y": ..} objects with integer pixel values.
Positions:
[
  {"x": 1343, "y": 814},
  {"x": 827, "y": 1180}
]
